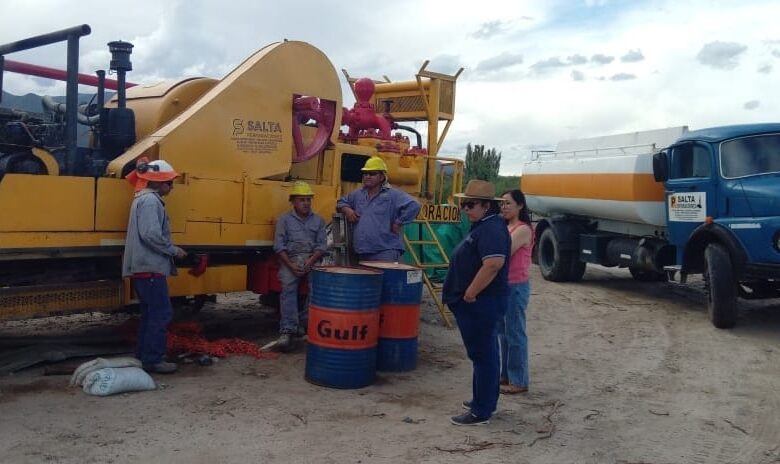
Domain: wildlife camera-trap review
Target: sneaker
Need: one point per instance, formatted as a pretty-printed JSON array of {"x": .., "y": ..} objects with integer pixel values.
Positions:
[
  {"x": 467, "y": 406},
  {"x": 512, "y": 389},
  {"x": 284, "y": 342},
  {"x": 469, "y": 419},
  {"x": 161, "y": 367}
]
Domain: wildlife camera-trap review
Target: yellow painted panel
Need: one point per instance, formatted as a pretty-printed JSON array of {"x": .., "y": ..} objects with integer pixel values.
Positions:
[
  {"x": 46, "y": 203},
  {"x": 114, "y": 197},
  {"x": 269, "y": 200},
  {"x": 177, "y": 205},
  {"x": 200, "y": 233},
  {"x": 217, "y": 279},
  {"x": 212, "y": 200},
  {"x": 250, "y": 235}
]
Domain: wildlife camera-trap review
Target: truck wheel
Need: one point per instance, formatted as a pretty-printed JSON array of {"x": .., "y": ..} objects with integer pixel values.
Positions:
[
  {"x": 576, "y": 269},
  {"x": 643, "y": 275},
  {"x": 722, "y": 287},
  {"x": 556, "y": 265}
]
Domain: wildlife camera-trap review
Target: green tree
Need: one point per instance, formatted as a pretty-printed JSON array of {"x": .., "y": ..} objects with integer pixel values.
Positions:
[
  {"x": 482, "y": 164},
  {"x": 506, "y": 183}
]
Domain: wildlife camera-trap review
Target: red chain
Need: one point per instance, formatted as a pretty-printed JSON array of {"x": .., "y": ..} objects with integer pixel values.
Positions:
[{"x": 185, "y": 337}]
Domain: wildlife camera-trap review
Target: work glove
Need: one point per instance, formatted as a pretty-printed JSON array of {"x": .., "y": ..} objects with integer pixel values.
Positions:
[{"x": 81, "y": 373}]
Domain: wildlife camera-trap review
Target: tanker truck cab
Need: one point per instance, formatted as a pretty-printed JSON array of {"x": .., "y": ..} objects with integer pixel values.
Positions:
[
  {"x": 663, "y": 202},
  {"x": 722, "y": 188}
]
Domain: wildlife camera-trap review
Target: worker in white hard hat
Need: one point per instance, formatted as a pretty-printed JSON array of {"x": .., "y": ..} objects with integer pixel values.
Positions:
[
  {"x": 299, "y": 242},
  {"x": 379, "y": 213},
  {"x": 148, "y": 259}
]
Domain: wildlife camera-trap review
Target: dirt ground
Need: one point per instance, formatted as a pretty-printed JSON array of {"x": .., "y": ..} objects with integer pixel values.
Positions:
[{"x": 621, "y": 372}]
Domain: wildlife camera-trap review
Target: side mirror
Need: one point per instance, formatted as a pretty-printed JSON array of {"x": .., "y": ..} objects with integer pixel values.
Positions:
[{"x": 661, "y": 166}]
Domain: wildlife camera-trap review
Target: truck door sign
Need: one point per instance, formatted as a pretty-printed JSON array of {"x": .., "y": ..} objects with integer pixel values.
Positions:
[{"x": 688, "y": 207}]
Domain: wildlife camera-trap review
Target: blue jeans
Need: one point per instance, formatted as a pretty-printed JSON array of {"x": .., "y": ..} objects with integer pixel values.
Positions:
[
  {"x": 294, "y": 313},
  {"x": 391, "y": 256},
  {"x": 156, "y": 314},
  {"x": 478, "y": 325},
  {"x": 512, "y": 336}
]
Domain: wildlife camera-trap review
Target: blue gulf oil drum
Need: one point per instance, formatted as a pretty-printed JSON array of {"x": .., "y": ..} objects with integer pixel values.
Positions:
[
  {"x": 343, "y": 326},
  {"x": 399, "y": 316}
]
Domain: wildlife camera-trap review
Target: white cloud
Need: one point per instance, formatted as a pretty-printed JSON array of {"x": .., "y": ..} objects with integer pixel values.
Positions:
[
  {"x": 632, "y": 56},
  {"x": 602, "y": 59},
  {"x": 721, "y": 55},
  {"x": 504, "y": 60}
]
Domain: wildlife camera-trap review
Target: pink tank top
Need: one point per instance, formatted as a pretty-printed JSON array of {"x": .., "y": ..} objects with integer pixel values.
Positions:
[{"x": 520, "y": 260}]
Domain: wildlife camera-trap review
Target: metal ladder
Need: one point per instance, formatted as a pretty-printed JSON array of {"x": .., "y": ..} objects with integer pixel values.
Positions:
[{"x": 433, "y": 289}]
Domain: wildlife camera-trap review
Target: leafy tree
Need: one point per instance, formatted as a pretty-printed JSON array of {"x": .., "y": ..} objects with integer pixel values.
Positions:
[
  {"x": 482, "y": 164},
  {"x": 506, "y": 183}
]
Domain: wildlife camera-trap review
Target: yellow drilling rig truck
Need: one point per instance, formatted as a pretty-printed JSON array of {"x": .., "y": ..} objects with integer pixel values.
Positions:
[{"x": 239, "y": 143}]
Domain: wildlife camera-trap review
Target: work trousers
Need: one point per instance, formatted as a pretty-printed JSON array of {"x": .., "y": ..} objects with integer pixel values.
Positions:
[
  {"x": 478, "y": 325},
  {"x": 512, "y": 336},
  {"x": 156, "y": 314},
  {"x": 294, "y": 311}
]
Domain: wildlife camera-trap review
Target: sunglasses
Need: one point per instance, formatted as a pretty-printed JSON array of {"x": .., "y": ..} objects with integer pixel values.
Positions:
[
  {"x": 468, "y": 204},
  {"x": 371, "y": 174}
]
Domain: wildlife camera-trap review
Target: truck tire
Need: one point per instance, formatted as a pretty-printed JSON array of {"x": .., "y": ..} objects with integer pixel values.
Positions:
[
  {"x": 556, "y": 265},
  {"x": 576, "y": 269},
  {"x": 721, "y": 285}
]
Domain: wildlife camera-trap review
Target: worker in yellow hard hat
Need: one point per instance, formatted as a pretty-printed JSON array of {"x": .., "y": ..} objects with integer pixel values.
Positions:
[
  {"x": 379, "y": 213},
  {"x": 299, "y": 242},
  {"x": 148, "y": 259}
]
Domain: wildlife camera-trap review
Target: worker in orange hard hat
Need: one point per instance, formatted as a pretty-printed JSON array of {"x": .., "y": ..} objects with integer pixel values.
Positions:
[
  {"x": 148, "y": 259},
  {"x": 379, "y": 212},
  {"x": 299, "y": 242}
]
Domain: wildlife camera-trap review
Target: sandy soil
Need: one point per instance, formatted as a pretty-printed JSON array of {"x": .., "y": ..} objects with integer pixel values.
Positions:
[{"x": 622, "y": 372}]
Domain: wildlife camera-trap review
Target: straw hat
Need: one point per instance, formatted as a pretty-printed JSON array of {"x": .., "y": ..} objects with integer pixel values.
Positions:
[{"x": 479, "y": 189}]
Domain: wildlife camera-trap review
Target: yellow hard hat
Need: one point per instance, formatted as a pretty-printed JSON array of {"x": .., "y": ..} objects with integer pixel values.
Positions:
[
  {"x": 375, "y": 163},
  {"x": 301, "y": 189}
]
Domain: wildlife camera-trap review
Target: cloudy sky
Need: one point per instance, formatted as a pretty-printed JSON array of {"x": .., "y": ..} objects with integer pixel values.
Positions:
[{"x": 536, "y": 71}]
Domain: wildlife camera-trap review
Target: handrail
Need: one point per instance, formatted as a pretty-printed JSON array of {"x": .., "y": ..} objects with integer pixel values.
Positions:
[{"x": 538, "y": 154}]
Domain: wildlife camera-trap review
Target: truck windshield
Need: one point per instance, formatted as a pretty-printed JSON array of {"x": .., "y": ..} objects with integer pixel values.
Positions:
[{"x": 750, "y": 156}]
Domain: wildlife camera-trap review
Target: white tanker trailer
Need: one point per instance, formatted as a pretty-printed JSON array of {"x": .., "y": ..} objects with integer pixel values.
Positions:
[{"x": 663, "y": 201}]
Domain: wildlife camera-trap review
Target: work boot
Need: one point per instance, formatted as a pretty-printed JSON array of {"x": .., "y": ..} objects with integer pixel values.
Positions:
[
  {"x": 161, "y": 367},
  {"x": 285, "y": 342}
]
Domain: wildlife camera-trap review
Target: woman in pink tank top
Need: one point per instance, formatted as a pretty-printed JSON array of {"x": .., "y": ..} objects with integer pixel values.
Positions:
[{"x": 511, "y": 331}]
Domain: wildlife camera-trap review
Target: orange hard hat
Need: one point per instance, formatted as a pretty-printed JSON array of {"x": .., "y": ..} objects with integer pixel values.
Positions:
[{"x": 154, "y": 171}]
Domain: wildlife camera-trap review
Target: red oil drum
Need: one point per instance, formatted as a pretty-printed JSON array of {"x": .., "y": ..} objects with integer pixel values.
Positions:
[
  {"x": 343, "y": 326},
  {"x": 399, "y": 316}
]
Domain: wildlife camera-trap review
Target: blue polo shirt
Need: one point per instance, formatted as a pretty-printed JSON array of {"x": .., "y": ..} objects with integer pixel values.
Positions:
[{"x": 488, "y": 238}]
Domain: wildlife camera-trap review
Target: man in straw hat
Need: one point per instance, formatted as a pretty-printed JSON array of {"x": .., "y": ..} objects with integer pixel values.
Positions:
[
  {"x": 379, "y": 212},
  {"x": 148, "y": 259},
  {"x": 476, "y": 291},
  {"x": 299, "y": 242}
]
